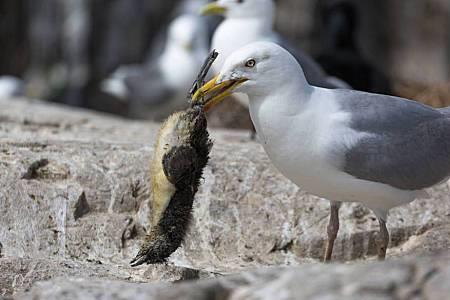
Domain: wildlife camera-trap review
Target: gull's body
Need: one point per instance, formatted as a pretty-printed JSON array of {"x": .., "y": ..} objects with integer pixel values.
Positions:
[
  {"x": 311, "y": 140},
  {"x": 342, "y": 145},
  {"x": 158, "y": 88}
]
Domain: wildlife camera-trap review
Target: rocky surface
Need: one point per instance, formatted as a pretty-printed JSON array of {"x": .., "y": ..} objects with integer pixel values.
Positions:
[
  {"x": 19, "y": 274},
  {"x": 407, "y": 279},
  {"x": 74, "y": 204}
]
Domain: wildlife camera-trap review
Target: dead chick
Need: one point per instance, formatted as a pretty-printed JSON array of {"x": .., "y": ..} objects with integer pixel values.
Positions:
[{"x": 181, "y": 153}]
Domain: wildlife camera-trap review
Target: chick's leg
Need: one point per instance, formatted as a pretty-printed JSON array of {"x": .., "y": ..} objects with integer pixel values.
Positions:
[{"x": 332, "y": 229}]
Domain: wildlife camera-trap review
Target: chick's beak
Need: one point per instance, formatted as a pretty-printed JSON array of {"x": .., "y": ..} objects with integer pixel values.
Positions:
[
  {"x": 213, "y": 93},
  {"x": 212, "y": 9}
]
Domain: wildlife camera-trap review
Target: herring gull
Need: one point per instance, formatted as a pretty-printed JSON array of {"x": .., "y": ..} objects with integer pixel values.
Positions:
[{"x": 342, "y": 145}]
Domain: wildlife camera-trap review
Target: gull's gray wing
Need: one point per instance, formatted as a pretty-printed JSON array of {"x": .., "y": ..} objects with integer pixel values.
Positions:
[
  {"x": 314, "y": 73},
  {"x": 408, "y": 143}
]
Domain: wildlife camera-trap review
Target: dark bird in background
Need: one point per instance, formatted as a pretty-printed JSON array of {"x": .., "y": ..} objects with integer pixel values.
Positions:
[{"x": 340, "y": 56}]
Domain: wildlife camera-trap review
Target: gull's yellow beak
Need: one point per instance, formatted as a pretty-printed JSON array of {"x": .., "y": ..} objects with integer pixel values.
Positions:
[
  {"x": 212, "y": 93},
  {"x": 212, "y": 9}
]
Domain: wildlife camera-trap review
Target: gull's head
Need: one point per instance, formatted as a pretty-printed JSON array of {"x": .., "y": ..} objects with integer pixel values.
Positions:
[
  {"x": 187, "y": 32},
  {"x": 257, "y": 69},
  {"x": 240, "y": 8}
]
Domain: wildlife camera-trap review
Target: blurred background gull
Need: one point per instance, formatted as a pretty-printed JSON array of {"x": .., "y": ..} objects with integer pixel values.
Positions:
[
  {"x": 66, "y": 51},
  {"x": 250, "y": 21},
  {"x": 10, "y": 87},
  {"x": 159, "y": 87}
]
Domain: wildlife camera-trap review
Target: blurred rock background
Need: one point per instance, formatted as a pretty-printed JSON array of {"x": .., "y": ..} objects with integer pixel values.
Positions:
[{"x": 64, "y": 49}]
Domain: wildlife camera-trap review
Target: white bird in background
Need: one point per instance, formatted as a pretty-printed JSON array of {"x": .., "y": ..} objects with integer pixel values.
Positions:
[
  {"x": 190, "y": 6},
  {"x": 248, "y": 21},
  {"x": 156, "y": 89},
  {"x": 186, "y": 7},
  {"x": 343, "y": 145},
  {"x": 10, "y": 87}
]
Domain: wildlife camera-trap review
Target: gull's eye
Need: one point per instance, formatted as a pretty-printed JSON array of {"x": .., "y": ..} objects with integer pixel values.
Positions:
[
  {"x": 250, "y": 63},
  {"x": 240, "y": 1}
]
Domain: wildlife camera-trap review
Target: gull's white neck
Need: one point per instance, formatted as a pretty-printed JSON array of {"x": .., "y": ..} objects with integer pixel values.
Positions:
[
  {"x": 285, "y": 105},
  {"x": 292, "y": 127}
]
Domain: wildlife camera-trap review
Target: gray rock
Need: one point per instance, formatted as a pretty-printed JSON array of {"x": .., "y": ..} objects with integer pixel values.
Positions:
[
  {"x": 18, "y": 274},
  {"x": 75, "y": 188},
  {"x": 406, "y": 279}
]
